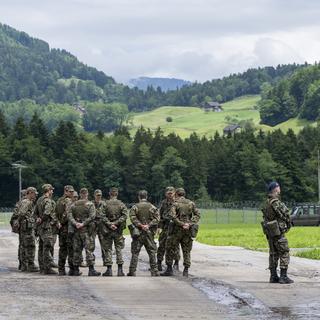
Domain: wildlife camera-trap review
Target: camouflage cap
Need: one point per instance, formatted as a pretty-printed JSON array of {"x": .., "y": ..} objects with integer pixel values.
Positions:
[
  {"x": 170, "y": 189},
  {"x": 180, "y": 192},
  {"x": 84, "y": 190},
  {"x": 68, "y": 188},
  {"x": 98, "y": 192},
  {"x": 31, "y": 189},
  {"x": 46, "y": 187},
  {"x": 113, "y": 189}
]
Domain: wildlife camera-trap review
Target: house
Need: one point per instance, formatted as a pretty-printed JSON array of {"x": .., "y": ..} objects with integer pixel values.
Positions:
[
  {"x": 212, "y": 106},
  {"x": 232, "y": 128},
  {"x": 79, "y": 108}
]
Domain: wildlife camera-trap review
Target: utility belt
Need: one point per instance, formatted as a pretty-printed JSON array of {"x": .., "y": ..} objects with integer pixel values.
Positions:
[{"x": 27, "y": 224}]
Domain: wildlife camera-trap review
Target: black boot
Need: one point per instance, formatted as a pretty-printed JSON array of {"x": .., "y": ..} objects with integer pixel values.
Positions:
[
  {"x": 176, "y": 265},
  {"x": 76, "y": 271},
  {"x": 185, "y": 272},
  {"x": 168, "y": 272},
  {"x": 274, "y": 278},
  {"x": 32, "y": 267},
  {"x": 120, "y": 271},
  {"x": 93, "y": 273},
  {"x": 71, "y": 270},
  {"x": 131, "y": 273},
  {"x": 49, "y": 271},
  {"x": 108, "y": 272},
  {"x": 159, "y": 265},
  {"x": 284, "y": 279},
  {"x": 62, "y": 271}
]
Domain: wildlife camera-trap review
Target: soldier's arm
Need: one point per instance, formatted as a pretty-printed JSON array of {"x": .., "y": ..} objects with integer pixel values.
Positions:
[
  {"x": 15, "y": 214},
  {"x": 71, "y": 217},
  {"x": 195, "y": 214},
  {"x": 174, "y": 216},
  {"x": 155, "y": 217},
  {"x": 104, "y": 216},
  {"x": 123, "y": 215},
  {"x": 92, "y": 214},
  {"x": 133, "y": 216},
  {"x": 24, "y": 209}
]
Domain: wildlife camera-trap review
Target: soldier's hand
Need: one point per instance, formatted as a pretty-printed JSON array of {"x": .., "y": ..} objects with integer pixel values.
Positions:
[
  {"x": 58, "y": 225},
  {"x": 186, "y": 226},
  {"x": 145, "y": 227},
  {"x": 79, "y": 225},
  {"x": 114, "y": 227},
  {"x": 39, "y": 220}
]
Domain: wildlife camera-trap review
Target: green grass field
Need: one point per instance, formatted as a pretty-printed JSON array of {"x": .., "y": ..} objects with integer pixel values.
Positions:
[{"x": 191, "y": 119}]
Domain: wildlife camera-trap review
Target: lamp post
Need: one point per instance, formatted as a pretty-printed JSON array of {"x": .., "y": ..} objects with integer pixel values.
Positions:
[{"x": 19, "y": 165}]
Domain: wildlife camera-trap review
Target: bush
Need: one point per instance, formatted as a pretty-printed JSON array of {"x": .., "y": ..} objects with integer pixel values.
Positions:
[{"x": 169, "y": 119}]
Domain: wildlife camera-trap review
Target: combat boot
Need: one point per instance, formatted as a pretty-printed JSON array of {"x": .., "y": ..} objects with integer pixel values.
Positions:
[
  {"x": 23, "y": 267},
  {"x": 159, "y": 265},
  {"x": 284, "y": 279},
  {"x": 49, "y": 271},
  {"x": 93, "y": 273},
  {"x": 131, "y": 273},
  {"x": 108, "y": 272},
  {"x": 274, "y": 278},
  {"x": 120, "y": 271},
  {"x": 32, "y": 268},
  {"x": 168, "y": 272},
  {"x": 19, "y": 266},
  {"x": 71, "y": 271},
  {"x": 76, "y": 271},
  {"x": 155, "y": 273},
  {"x": 185, "y": 272},
  {"x": 62, "y": 272},
  {"x": 176, "y": 265}
]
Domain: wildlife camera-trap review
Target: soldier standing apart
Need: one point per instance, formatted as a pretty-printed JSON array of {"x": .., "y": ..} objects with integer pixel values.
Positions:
[
  {"x": 165, "y": 219},
  {"x": 185, "y": 216},
  {"x": 47, "y": 229},
  {"x": 97, "y": 224},
  {"x": 145, "y": 218},
  {"x": 114, "y": 216},
  {"x": 62, "y": 206},
  {"x": 14, "y": 222},
  {"x": 80, "y": 215},
  {"x": 276, "y": 223},
  {"x": 27, "y": 226}
]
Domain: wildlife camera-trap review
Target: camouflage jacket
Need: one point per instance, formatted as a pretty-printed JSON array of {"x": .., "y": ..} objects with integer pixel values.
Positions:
[
  {"x": 144, "y": 213},
  {"x": 82, "y": 211},
  {"x": 184, "y": 211},
  {"x": 45, "y": 210},
  {"x": 99, "y": 207},
  {"x": 26, "y": 216},
  {"x": 274, "y": 209},
  {"x": 115, "y": 212},
  {"x": 164, "y": 209},
  {"x": 63, "y": 205}
]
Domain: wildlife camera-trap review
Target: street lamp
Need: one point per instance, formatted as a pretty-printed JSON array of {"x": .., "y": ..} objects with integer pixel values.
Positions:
[{"x": 19, "y": 165}]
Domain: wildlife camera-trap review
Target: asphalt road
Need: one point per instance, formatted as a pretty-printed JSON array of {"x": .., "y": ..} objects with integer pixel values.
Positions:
[{"x": 225, "y": 283}]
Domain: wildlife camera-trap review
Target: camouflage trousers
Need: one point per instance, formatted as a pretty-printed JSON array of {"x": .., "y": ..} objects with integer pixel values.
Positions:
[
  {"x": 278, "y": 251},
  {"x": 45, "y": 250},
  {"x": 100, "y": 237},
  {"x": 65, "y": 247},
  {"x": 82, "y": 240},
  {"x": 178, "y": 237},
  {"x": 27, "y": 248},
  {"x": 145, "y": 239},
  {"x": 163, "y": 237},
  {"x": 110, "y": 238}
]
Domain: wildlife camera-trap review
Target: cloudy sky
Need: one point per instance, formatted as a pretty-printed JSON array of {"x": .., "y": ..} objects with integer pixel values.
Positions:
[{"x": 189, "y": 39}]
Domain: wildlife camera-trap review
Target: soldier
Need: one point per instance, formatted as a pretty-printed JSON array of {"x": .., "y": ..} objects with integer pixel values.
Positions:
[
  {"x": 62, "y": 206},
  {"x": 276, "y": 223},
  {"x": 96, "y": 226},
  {"x": 75, "y": 196},
  {"x": 185, "y": 216},
  {"x": 27, "y": 235},
  {"x": 14, "y": 222},
  {"x": 165, "y": 219},
  {"x": 47, "y": 229},
  {"x": 145, "y": 218},
  {"x": 80, "y": 215},
  {"x": 114, "y": 216}
]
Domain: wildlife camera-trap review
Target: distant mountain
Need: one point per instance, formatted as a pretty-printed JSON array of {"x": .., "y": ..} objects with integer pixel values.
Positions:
[{"x": 165, "y": 84}]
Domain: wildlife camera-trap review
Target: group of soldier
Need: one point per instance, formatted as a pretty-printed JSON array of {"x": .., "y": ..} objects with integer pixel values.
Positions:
[{"x": 77, "y": 223}]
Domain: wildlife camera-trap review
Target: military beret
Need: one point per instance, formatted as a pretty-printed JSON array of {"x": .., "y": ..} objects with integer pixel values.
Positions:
[
  {"x": 84, "y": 190},
  {"x": 68, "y": 188},
  {"x": 31, "y": 189},
  {"x": 113, "y": 189},
  {"x": 180, "y": 191},
  {"x": 272, "y": 185},
  {"x": 46, "y": 187},
  {"x": 97, "y": 192},
  {"x": 170, "y": 189}
]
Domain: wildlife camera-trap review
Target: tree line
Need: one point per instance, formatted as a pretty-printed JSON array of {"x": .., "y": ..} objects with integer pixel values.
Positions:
[{"x": 220, "y": 168}]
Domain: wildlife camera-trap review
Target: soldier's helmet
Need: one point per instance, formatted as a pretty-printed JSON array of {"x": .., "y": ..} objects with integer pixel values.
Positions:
[
  {"x": 180, "y": 192},
  {"x": 46, "y": 187},
  {"x": 69, "y": 188},
  {"x": 97, "y": 192},
  {"x": 84, "y": 190},
  {"x": 31, "y": 190}
]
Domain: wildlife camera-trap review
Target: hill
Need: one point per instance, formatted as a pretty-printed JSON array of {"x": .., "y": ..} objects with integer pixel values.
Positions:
[
  {"x": 186, "y": 120},
  {"x": 165, "y": 84}
]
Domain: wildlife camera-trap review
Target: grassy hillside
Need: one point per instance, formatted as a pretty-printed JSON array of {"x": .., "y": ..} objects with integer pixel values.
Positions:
[{"x": 191, "y": 119}]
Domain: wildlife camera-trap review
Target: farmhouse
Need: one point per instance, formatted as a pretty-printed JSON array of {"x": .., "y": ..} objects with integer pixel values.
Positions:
[
  {"x": 232, "y": 128},
  {"x": 212, "y": 106}
]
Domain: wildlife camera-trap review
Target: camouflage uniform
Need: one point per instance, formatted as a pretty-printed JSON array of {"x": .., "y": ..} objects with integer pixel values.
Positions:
[
  {"x": 165, "y": 219},
  {"x": 183, "y": 211},
  {"x": 144, "y": 213},
  {"x": 27, "y": 235},
  {"x": 82, "y": 211},
  {"x": 274, "y": 209},
  {"x": 47, "y": 230},
  {"x": 65, "y": 244},
  {"x": 113, "y": 212}
]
